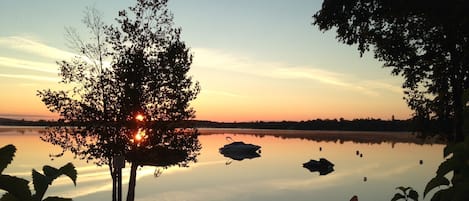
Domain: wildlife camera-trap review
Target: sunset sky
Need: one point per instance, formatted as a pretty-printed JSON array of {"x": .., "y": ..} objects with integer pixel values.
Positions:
[{"x": 255, "y": 60}]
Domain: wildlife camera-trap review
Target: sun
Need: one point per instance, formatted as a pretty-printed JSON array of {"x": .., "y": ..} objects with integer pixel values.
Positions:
[
  {"x": 139, "y": 117},
  {"x": 140, "y": 135}
]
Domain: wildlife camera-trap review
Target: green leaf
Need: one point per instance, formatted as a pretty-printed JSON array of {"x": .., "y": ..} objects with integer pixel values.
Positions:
[
  {"x": 438, "y": 196},
  {"x": 41, "y": 183},
  {"x": 413, "y": 195},
  {"x": 448, "y": 150},
  {"x": 8, "y": 197},
  {"x": 435, "y": 182},
  {"x": 70, "y": 171},
  {"x": 403, "y": 189},
  {"x": 50, "y": 172},
  {"x": 6, "y": 156},
  {"x": 17, "y": 187},
  {"x": 443, "y": 195},
  {"x": 446, "y": 167},
  {"x": 397, "y": 196},
  {"x": 453, "y": 148},
  {"x": 57, "y": 199}
]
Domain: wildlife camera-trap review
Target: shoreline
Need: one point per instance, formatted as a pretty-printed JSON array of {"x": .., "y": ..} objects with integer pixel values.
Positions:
[
  {"x": 327, "y": 135},
  {"x": 316, "y": 135}
]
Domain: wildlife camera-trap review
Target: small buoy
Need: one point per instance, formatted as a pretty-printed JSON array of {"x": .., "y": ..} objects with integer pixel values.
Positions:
[
  {"x": 421, "y": 162},
  {"x": 354, "y": 198},
  {"x": 358, "y": 152},
  {"x": 320, "y": 148},
  {"x": 361, "y": 155},
  {"x": 365, "y": 179}
]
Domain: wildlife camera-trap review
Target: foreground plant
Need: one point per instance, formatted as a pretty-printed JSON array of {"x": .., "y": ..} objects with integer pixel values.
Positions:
[
  {"x": 408, "y": 193},
  {"x": 18, "y": 189},
  {"x": 457, "y": 163}
]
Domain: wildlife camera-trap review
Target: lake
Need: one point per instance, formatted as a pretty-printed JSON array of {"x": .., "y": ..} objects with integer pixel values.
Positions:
[{"x": 276, "y": 175}]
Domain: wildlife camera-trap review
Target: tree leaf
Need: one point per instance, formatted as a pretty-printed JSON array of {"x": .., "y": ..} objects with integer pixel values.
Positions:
[
  {"x": 8, "y": 197},
  {"x": 444, "y": 195},
  {"x": 57, "y": 199},
  {"x": 449, "y": 149},
  {"x": 6, "y": 156},
  {"x": 413, "y": 195},
  {"x": 453, "y": 148},
  {"x": 437, "y": 196},
  {"x": 50, "y": 172},
  {"x": 446, "y": 167},
  {"x": 41, "y": 183},
  {"x": 70, "y": 171},
  {"x": 403, "y": 189},
  {"x": 397, "y": 196},
  {"x": 17, "y": 187},
  {"x": 435, "y": 182}
]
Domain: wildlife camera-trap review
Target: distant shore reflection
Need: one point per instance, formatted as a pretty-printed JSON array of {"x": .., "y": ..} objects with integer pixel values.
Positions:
[{"x": 367, "y": 137}]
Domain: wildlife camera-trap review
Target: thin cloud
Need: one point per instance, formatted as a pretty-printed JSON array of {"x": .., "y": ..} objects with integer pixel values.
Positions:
[
  {"x": 29, "y": 65},
  {"x": 309, "y": 73},
  {"x": 33, "y": 47},
  {"x": 38, "y": 50},
  {"x": 30, "y": 77},
  {"x": 383, "y": 85},
  {"x": 217, "y": 60}
]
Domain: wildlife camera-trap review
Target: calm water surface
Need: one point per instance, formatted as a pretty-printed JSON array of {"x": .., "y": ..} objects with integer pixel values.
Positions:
[{"x": 276, "y": 175}]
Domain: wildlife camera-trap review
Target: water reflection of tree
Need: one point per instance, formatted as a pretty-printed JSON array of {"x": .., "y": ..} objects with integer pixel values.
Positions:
[
  {"x": 165, "y": 145},
  {"x": 135, "y": 108}
]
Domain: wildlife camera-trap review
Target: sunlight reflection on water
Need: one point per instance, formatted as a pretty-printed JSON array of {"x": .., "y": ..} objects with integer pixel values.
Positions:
[{"x": 276, "y": 175}]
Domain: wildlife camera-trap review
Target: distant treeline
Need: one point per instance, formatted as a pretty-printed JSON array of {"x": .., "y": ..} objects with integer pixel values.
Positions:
[
  {"x": 318, "y": 124},
  {"x": 15, "y": 122}
]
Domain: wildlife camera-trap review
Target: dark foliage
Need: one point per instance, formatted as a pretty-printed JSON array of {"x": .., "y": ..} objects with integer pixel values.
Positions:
[
  {"x": 136, "y": 107},
  {"x": 318, "y": 124},
  {"x": 17, "y": 189},
  {"x": 424, "y": 41}
]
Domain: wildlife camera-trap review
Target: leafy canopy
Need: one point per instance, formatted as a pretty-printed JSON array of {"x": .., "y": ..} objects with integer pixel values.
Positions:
[
  {"x": 137, "y": 67},
  {"x": 425, "y": 41}
]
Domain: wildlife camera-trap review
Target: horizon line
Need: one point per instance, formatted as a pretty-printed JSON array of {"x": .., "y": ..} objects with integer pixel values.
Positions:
[{"x": 36, "y": 119}]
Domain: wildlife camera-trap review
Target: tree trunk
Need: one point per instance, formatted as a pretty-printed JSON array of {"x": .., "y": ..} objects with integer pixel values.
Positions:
[
  {"x": 119, "y": 184},
  {"x": 458, "y": 114},
  {"x": 132, "y": 182},
  {"x": 113, "y": 176},
  {"x": 457, "y": 83}
]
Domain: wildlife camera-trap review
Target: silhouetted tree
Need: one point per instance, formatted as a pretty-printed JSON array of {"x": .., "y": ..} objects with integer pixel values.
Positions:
[
  {"x": 136, "y": 106},
  {"x": 151, "y": 65},
  {"x": 90, "y": 101},
  {"x": 426, "y": 42}
]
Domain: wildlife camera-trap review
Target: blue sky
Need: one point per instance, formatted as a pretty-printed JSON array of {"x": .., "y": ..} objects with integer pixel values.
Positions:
[{"x": 255, "y": 60}]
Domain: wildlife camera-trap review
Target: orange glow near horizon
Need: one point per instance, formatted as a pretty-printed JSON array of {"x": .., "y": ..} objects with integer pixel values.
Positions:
[
  {"x": 241, "y": 78},
  {"x": 224, "y": 110}
]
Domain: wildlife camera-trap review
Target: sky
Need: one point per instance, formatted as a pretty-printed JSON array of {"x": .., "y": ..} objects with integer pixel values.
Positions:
[{"x": 254, "y": 59}]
